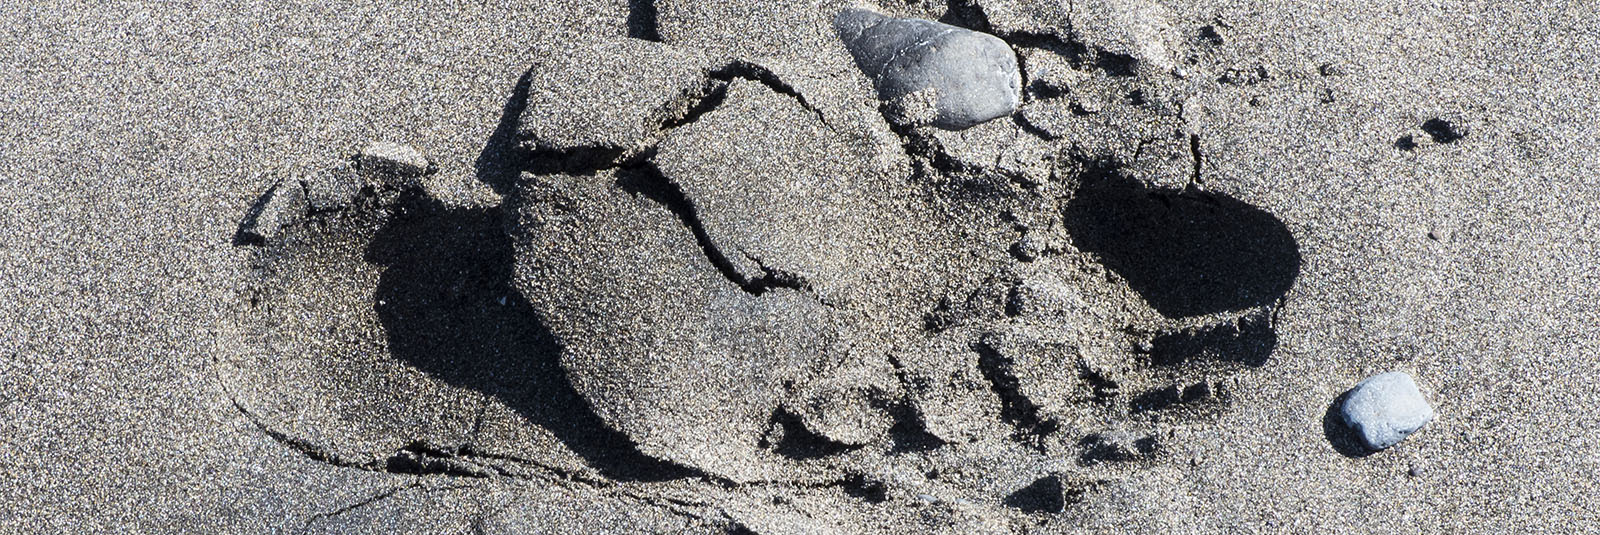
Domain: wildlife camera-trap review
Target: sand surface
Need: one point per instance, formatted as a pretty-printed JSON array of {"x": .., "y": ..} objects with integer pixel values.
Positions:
[{"x": 426, "y": 361}]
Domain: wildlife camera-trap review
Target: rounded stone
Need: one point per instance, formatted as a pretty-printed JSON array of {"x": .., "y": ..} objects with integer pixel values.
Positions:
[
  {"x": 970, "y": 76},
  {"x": 1385, "y": 409}
]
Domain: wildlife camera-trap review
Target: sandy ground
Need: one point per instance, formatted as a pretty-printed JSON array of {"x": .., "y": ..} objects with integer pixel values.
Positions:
[{"x": 140, "y": 392}]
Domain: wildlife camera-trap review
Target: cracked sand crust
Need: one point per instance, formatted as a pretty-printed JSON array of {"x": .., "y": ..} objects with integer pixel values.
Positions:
[{"x": 701, "y": 275}]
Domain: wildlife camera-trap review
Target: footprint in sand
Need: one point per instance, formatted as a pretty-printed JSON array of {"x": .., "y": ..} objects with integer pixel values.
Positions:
[{"x": 747, "y": 275}]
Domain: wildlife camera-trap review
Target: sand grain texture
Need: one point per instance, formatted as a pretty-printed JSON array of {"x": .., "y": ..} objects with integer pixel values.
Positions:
[{"x": 1129, "y": 307}]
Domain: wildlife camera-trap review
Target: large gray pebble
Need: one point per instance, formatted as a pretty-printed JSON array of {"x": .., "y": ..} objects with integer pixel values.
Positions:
[
  {"x": 1385, "y": 408},
  {"x": 947, "y": 76}
]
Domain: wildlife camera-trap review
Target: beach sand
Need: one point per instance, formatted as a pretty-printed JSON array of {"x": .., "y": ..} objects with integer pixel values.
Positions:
[{"x": 398, "y": 365}]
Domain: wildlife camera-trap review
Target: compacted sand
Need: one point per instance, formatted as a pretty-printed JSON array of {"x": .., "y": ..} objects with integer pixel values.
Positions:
[{"x": 670, "y": 269}]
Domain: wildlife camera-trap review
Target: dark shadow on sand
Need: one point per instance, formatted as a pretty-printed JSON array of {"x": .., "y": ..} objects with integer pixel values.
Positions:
[
  {"x": 1247, "y": 341},
  {"x": 1186, "y": 252},
  {"x": 247, "y": 235},
  {"x": 642, "y": 23},
  {"x": 503, "y": 158},
  {"x": 1044, "y": 495},
  {"x": 448, "y": 306},
  {"x": 1339, "y": 434},
  {"x": 446, "y": 301}
]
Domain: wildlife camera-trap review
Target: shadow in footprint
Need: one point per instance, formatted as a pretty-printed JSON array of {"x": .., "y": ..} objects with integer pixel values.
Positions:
[
  {"x": 446, "y": 302},
  {"x": 796, "y": 442},
  {"x": 642, "y": 20},
  {"x": 1247, "y": 341},
  {"x": 502, "y": 159},
  {"x": 1045, "y": 495},
  {"x": 448, "y": 306},
  {"x": 1339, "y": 434},
  {"x": 1187, "y": 253}
]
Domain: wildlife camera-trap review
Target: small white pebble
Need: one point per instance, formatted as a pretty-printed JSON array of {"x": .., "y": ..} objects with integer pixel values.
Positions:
[{"x": 1386, "y": 408}]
